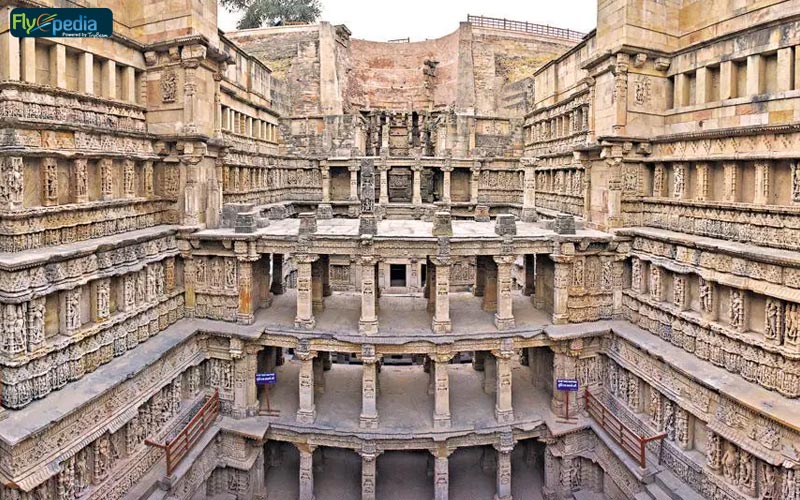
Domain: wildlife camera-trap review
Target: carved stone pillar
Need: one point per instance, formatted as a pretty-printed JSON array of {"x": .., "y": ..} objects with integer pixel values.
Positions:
[
  {"x": 530, "y": 275},
  {"x": 552, "y": 483},
  {"x": 325, "y": 174},
  {"x": 79, "y": 189},
  {"x": 504, "y": 449},
  {"x": 679, "y": 183},
  {"x": 245, "y": 395},
  {"x": 504, "y": 317},
  {"x": 489, "y": 303},
  {"x": 368, "y": 323},
  {"x": 71, "y": 311},
  {"x": 479, "y": 287},
  {"x": 680, "y": 291},
  {"x": 317, "y": 282},
  {"x": 441, "y": 395},
  {"x": 504, "y": 409},
  {"x": 441, "y": 315},
  {"x": 795, "y": 174},
  {"x": 489, "y": 373},
  {"x": 369, "y": 460},
  {"x": 306, "y": 490},
  {"x": 245, "y": 315},
  {"x": 106, "y": 179},
  {"x": 101, "y": 305},
  {"x": 529, "y": 190},
  {"x": 369, "y": 388},
  {"x": 474, "y": 181},
  {"x": 353, "y": 182},
  {"x": 564, "y": 366},
  {"x": 49, "y": 169},
  {"x": 306, "y": 409},
  {"x": 762, "y": 191},
  {"x": 562, "y": 274},
  {"x": 128, "y": 178},
  {"x": 277, "y": 274},
  {"x": 441, "y": 474},
  {"x": 189, "y": 285},
  {"x": 730, "y": 182},
  {"x": 383, "y": 197},
  {"x": 416, "y": 195},
  {"x": 702, "y": 184},
  {"x": 305, "y": 312},
  {"x": 11, "y": 188},
  {"x": 446, "y": 170},
  {"x": 656, "y": 289}
]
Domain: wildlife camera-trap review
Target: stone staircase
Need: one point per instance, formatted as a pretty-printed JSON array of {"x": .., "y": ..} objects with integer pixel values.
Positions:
[{"x": 666, "y": 486}]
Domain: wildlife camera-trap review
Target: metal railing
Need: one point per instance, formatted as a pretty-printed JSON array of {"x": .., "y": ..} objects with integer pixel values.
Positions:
[
  {"x": 623, "y": 435},
  {"x": 184, "y": 441},
  {"x": 525, "y": 27}
]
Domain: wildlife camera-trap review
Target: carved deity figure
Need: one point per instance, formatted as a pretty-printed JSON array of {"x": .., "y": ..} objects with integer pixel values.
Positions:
[
  {"x": 82, "y": 479},
  {"x": 737, "y": 309},
  {"x": 655, "y": 282},
  {"x": 216, "y": 273},
  {"x": 669, "y": 419},
  {"x": 636, "y": 274},
  {"x": 772, "y": 321},
  {"x": 230, "y": 273},
  {"x": 577, "y": 273},
  {"x": 681, "y": 426},
  {"x": 730, "y": 463},
  {"x": 14, "y": 338},
  {"x": 792, "y": 323},
  {"x": 102, "y": 458},
  {"x": 679, "y": 180},
  {"x": 706, "y": 298},
  {"x": 714, "y": 451},
  {"x": 746, "y": 474}
]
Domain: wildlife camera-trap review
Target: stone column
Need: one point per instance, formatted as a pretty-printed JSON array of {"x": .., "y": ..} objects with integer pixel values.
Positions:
[
  {"x": 446, "y": 183},
  {"x": 368, "y": 323},
  {"x": 383, "y": 198},
  {"x": 441, "y": 315},
  {"x": 49, "y": 172},
  {"x": 441, "y": 393},
  {"x": 11, "y": 170},
  {"x": 245, "y": 395},
  {"x": 702, "y": 184},
  {"x": 504, "y": 449},
  {"x": 489, "y": 373},
  {"x": 190, "y": 285},
  {"x": 106, "y": 179},
  {"x": 755, "y": 79},
  {"x": 317, "y": 288},
  {"x": 552, "y": 482},
  {"x": 479, "y": 288},
  {"x": 561, "y": 280},
  {"x": 306, "y": 471},
  {"x": 530, "y": 275},
  {"x": 729, "y": 181},
  {"x": 441, "y": 474},
  {"x": 564, "y": 366},
  {"x": 353, "y": 182},
  {"x": 245, "y": 315},
  {"x": 101, "y": 305},
  {"x": 305, "y": 312},
  {"x": 58, "y": 66},
  {"x": 680, "y": 291},
  {"x": 325, "y": 261},
  {"x": 761, "y": 194},
  {"x": 679, "y": 180},
  {"x": 727, "y": 80},
  {"x": 489, "y": 303},
  {"x": 416, "y": 196},
  {"x": 474, "y": 181},
  {"x": 786, "y": 69},
  {"x": 529, "y": 190},
  {"x": 504, "y": 409},
  {"x": 9, "y": 54},
  {"x": 306, "y": 409},
  {"x": 369, "y": 458},
  {"x": 504, "y": 317},
  {"x": 369, "y": 388},
  {"x": 79, "y": 181},
  {"x": 325, "y": 173},
  {"x": 28, "y": 47},
  {"x": 277, "y": 274},
  {"x": 318, "y": 368},
  {"x": 109, "y": 79}
]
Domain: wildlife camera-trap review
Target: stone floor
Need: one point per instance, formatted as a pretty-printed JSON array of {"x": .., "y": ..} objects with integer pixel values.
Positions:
[
  {"x": 400, "y": 476},
  {"x": 404, "y": 405},
  {"x": 403, "y": 315}
]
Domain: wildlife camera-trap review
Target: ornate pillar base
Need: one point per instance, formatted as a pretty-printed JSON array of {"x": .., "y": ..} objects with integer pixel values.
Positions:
[
  {"x": 529, "y": 215},
  {"x": 245, "y": 319},
  {"x": 368, "y": 327},
  {"x": 441, "y": 421},
  {"x": 307, "y": 416},
  {"x": 324, "y": 211},
  {"x": 504, "y": 323},
  {"x": 305, "y": 323},
  {"x": 439, "y": 326},
  {"x": 368, "y": 421},
  {"x": 503, "y": 416}
]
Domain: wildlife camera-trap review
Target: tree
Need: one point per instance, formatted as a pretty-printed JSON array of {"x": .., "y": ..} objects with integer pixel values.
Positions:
[{"x": 258, "y": 13}]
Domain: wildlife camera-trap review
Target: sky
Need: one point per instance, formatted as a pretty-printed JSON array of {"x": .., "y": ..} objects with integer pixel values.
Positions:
[{"x": 382, "y": 20}]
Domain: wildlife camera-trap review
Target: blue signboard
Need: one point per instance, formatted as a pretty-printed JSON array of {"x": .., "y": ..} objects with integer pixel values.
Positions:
[
  {"x": 266, "y": 378},
  {"x": 567, "y": 384}
]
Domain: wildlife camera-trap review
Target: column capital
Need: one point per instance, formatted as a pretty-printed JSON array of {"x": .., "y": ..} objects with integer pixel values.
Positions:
[
  {"x": 441, "y": 261},
  {"x": 504, "y": 259},
  {"x": 506, "y": 443},
  {"x": 441, "y": 451},
  {"x": 305, "y": 447},
  {"x": 528, "y": 162},
  {"x": 417, "y": 167},
  {"x": 353, "y": 167},
  {"x": 369, "y": 451},
  {"x": 305, "y": 258},
  {"x": 304, "y": 355},
  {"x": 446, "y": 168},
  {"x": 441, "y": 357},
  {"x": 368, "y": 354},
  {"x": 383, "y": 167}
]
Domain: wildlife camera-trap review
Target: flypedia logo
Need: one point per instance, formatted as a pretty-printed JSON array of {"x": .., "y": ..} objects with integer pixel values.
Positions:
[{"x": 59, "y": 23}]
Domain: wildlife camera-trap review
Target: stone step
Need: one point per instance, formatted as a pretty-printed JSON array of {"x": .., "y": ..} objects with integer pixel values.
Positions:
[
  {"x": 642, "y": 496},
  {"x": 588, "y": 495},
  {"x": 675, "y": 488},
  {"x": 656, "y": 493}
]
